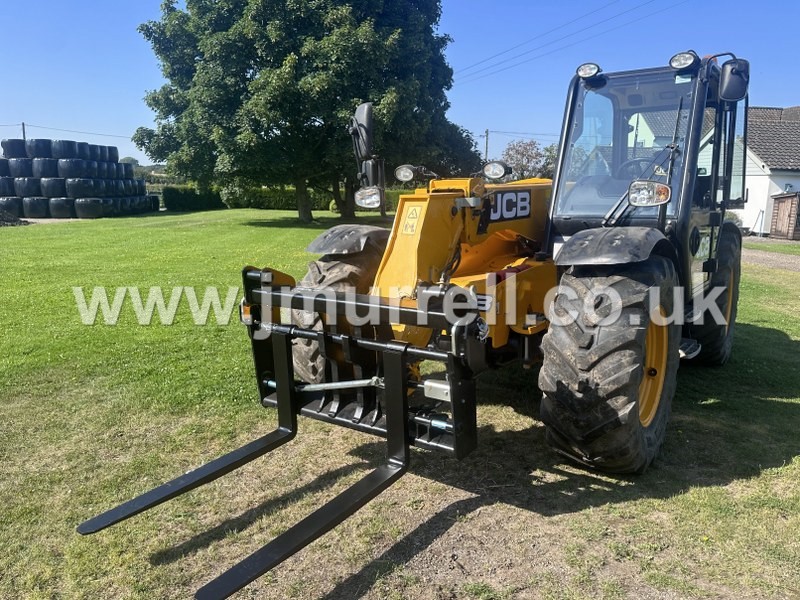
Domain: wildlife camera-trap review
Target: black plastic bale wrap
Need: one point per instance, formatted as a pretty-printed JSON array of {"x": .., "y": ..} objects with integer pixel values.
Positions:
[
  {"x": 99, "y": 186},
  {"x": 64, "y": 149},
  {"x": 103, "y": 155},
  {"x": 155, "y": 203},
  {"x": 4, "y": 172},
  {"x": 128, "y": 171},
  {"x": 102, "y": 169},
  {"x": 54, "y": 187},
  {"x": 113, "y": 154},
  {"x": 108, "y": 207},
  {"x": 72, "y": 167},
  {"x": 142, "y": 187},
  {"x": 45, "y": 167},
  {"x": 20, "y": 167},
  {"x": 36, "y": 207},
  {"x": 89, "y": 208},
  {"x": 39, "y": 148},
  {"x": 62, "y": 208},
  {"x": 80, "y": 188},
  {"x": 27, "y": 186},
  {"x": 94, "y": 152},
  {"x": 83, "y": 150},
  {"x": 91, "y": 169},
  {"x": 12, "y": 205},
  {"x": 14, "y": 148},
  {"x": 128, "y": 187},
  {"x": 7, "y": 187},
  {"x": 120, "y": 170}
]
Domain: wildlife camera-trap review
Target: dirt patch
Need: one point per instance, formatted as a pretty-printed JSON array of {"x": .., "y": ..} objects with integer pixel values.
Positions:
[
  {"x": 8, "y": 220},
  {"x": 773, "y": 260}
]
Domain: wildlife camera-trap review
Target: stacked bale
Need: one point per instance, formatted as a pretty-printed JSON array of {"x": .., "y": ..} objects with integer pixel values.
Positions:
[{"x": 63, "y": 178}]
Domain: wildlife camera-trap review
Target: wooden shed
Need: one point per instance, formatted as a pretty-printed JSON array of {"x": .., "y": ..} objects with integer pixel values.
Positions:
[{"x": 785, "y": 216}]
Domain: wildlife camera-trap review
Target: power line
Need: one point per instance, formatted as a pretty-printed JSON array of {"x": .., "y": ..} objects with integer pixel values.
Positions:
[
  {"x": 517, "y": 64},
  {"x": 550, "y": 43},
  {"x": 525, "y": 133},
  {"x": 126, "y": 137},
  {"x": 538, "y": 36}
]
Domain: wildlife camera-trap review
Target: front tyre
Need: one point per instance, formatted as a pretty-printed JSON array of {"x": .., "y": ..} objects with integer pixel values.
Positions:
[
  {"x": 608, "y": 383},
  {"x": 340, "y": 273}
]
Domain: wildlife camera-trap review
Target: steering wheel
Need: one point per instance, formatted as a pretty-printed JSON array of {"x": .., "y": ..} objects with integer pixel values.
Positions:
[{"x": 633, "y": 169}]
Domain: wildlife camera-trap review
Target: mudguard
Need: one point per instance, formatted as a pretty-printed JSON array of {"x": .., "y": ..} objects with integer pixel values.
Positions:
[
  {"x": 614, "y": 246},
  {"x": 349, "y": 239}
]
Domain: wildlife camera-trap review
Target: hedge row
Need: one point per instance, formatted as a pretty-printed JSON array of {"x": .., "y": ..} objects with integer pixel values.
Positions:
[
  {"x": 272, "y": 198},
  {"x": 185, "y": 198},
  {"x": 284, "y": 199}
]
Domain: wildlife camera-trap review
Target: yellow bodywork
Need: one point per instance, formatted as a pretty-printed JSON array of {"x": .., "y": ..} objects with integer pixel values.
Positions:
[{"x": 496, "y": 241}]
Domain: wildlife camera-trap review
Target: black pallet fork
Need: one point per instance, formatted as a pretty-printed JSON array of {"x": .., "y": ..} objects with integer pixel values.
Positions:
[{"x": 327, "y": 402}]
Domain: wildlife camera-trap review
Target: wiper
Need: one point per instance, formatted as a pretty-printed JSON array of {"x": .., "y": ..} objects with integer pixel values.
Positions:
[
  {"x": 609, "y": 219},
  {"x": 674, "y": 149}
]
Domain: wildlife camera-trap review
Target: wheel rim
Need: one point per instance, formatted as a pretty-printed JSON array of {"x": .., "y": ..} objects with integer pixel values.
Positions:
[
  {"x": 654, "y": 367},
  {"x": 729, "y": 307}
]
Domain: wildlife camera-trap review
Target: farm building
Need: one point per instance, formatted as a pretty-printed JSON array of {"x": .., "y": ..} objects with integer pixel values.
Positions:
[{"x": 773, "y": 166}]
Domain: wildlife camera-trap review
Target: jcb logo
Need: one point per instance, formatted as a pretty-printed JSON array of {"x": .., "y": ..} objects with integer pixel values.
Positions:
[{"x": 510, "y": 205}]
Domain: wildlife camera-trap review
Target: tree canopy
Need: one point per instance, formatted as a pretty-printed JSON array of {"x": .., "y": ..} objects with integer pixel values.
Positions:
[
  {"x": 528, "y": 159},
  {"x": 261, "y": 91}
]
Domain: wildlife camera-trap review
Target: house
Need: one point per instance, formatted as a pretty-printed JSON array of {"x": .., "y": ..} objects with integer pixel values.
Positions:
[{"x": 773, "y": 162}]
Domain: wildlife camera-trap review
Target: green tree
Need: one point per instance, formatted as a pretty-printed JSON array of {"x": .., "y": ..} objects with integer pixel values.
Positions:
[
  {"x": 262, "y": 91},
  {"x": 548, "y": 167},
  {"x": 528, "y": 159},
  {"x": 129, "y": 159}
]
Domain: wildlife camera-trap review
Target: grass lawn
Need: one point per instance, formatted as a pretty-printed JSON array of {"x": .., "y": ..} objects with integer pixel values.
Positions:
[
  {"x": 93, "y": 415},
  {"x": 784, "y": 248}
]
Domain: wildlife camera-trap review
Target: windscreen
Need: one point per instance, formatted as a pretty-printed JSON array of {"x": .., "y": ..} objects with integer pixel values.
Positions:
[{"x": 623, "y": 129}]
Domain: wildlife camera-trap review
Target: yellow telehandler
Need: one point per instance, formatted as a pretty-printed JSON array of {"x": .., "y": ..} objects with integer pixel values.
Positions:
[{"x": 606, "y": 276}]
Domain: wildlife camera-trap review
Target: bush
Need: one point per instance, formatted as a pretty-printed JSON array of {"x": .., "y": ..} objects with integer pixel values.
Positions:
[
  {"x": 185, "y": 198},
  {"x": 271, "y": 198}
]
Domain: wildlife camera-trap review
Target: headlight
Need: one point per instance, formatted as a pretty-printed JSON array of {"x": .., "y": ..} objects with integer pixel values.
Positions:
[
  {"x": 648, "y": 193},
  {"x": 684, "y": 60},
  {"x": 404, "y": 173},
  {"x": 369, "y": 197},
  {"x": 496, "y": 169},
  {"x": 587, "y": 70}
]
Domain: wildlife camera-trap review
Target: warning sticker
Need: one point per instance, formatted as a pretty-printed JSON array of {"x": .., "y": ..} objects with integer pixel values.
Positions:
[{"x": 411, "y": 220}]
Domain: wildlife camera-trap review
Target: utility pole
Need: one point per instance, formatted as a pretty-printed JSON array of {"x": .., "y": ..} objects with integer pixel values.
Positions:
[
  {"x": 485, "y": 151},
  {"x": 23, "y": 131}
]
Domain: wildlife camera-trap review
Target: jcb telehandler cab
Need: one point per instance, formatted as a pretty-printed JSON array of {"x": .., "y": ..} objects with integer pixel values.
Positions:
[{"x": 607, "y": 276}]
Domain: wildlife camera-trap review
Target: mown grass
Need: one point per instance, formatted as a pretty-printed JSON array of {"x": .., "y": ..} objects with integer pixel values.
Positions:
[
  {"x": 781, "y": 248},
  {"x": 92, "y": 415}
]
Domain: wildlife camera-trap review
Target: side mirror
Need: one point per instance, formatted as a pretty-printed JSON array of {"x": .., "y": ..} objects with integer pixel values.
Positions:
[
  {"x": 361, "y": 130},
  {"x": 734, "y": 80}
]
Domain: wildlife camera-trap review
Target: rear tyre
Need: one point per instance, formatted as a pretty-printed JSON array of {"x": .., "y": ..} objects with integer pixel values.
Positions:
[
  {"x": 338, "y": 272},
  {"x": 716, "y": 339},
  {"x": 608, "y": 387}
]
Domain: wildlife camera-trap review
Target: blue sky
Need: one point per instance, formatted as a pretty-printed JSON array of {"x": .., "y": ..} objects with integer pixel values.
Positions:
[{"x": 82, "y": 66}]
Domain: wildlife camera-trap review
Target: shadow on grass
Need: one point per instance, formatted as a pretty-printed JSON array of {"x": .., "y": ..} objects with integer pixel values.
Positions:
[
  {"x": 320, "y": 223},
  {"x": 249, "y": 517},
  {"x": 727, "y": 423}
]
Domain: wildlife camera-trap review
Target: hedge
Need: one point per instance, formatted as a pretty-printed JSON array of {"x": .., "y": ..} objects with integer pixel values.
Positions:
[
  {"x": 185, "y": 198},
  {"x": 284, "y": 199},
  {"x": 271, "y": 198}
]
